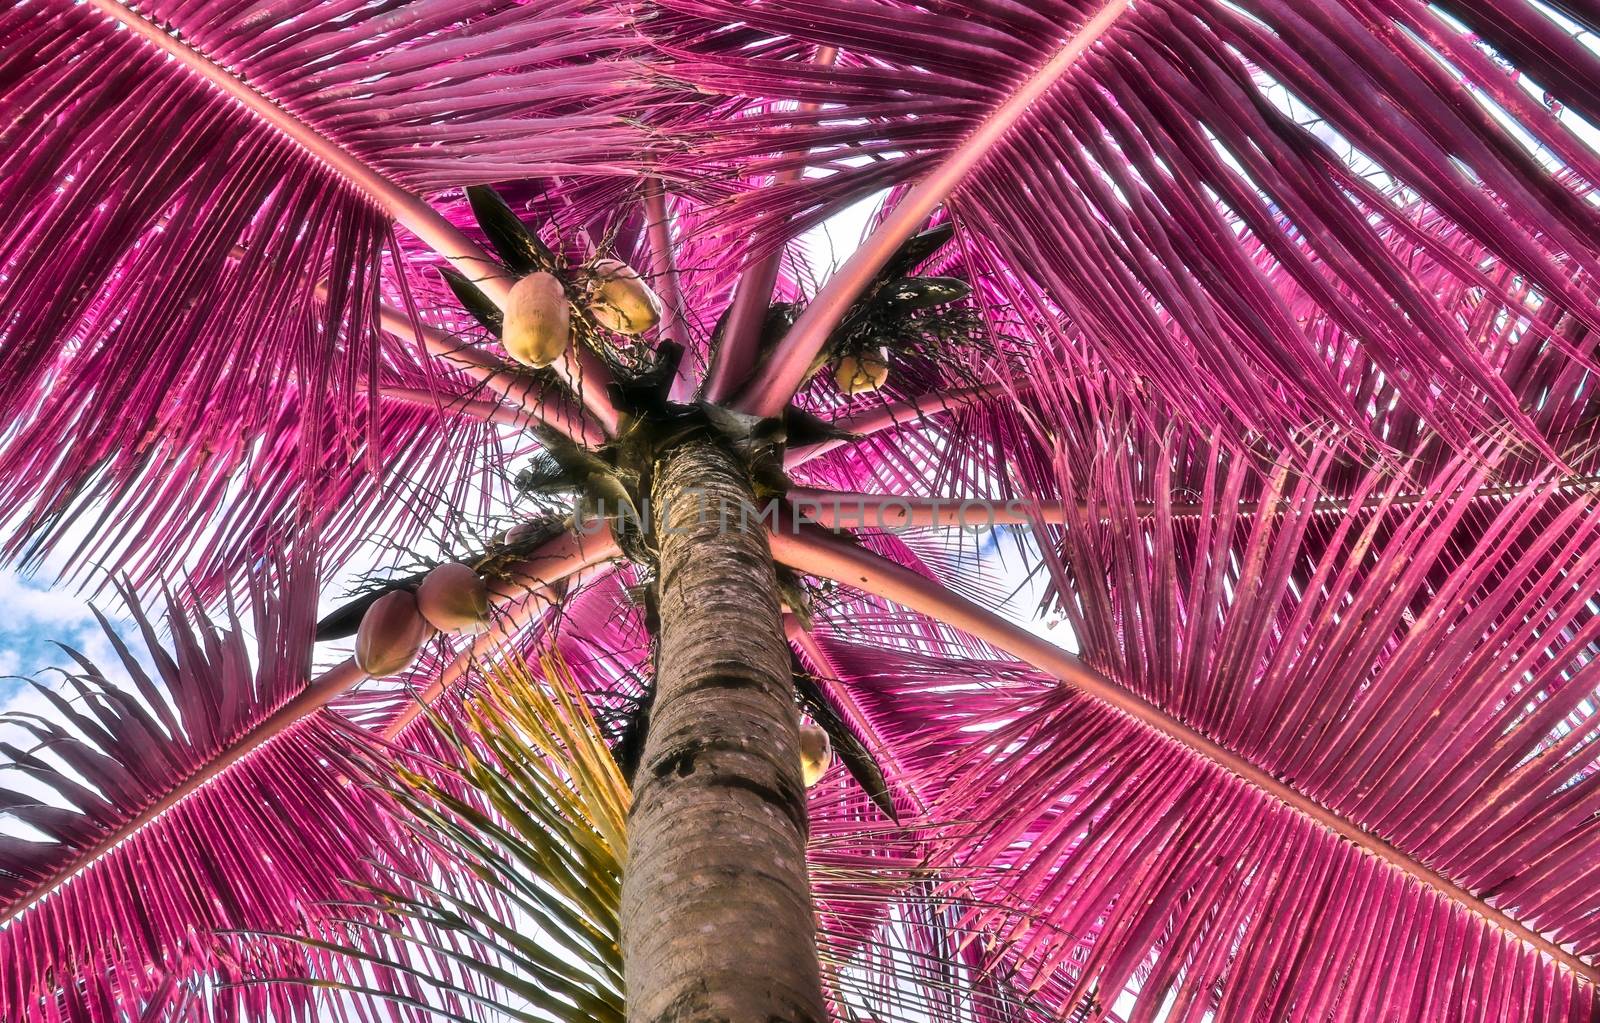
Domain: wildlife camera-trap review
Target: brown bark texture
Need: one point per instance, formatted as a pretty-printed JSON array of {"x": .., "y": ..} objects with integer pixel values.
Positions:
[{"x": 717, "y": 922}]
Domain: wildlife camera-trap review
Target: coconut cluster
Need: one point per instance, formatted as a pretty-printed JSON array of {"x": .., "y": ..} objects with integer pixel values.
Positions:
[
  {"x": 538, "y": 315},
  {"x": 451, "y": 598}
]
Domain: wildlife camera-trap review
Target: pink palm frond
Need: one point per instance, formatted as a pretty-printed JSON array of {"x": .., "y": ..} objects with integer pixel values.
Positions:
[
  {"x": 1397, "y": 672},
  {"x": 1265, "y": 335},
  {"x": 220, "y": 783},
  {"x": 176, "y": 266},
  {"x": 136, "y": 902},
  {"x": 1145, "y": 178}
]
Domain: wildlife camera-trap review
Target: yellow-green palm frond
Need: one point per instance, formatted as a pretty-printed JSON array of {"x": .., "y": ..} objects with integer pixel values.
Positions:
[{"x": 528, "y": 812}]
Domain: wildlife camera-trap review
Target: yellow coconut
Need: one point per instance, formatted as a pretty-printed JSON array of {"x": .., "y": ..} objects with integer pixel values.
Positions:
[
  {"x": 538, "y": 320},
  {"x": 816, "y": 753},
  {"x": 619, "y": 300},
  {"x": 859, "y": 374},
  {"x": 453, "y": 598},
  {"x": 392, "y": 631}
]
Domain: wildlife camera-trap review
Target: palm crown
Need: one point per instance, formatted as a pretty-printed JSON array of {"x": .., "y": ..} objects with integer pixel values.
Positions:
[{"x": 1264, "y": 329}]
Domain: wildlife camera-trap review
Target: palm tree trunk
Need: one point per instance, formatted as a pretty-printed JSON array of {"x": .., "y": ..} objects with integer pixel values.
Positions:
[{"x": 716, "y": 908}]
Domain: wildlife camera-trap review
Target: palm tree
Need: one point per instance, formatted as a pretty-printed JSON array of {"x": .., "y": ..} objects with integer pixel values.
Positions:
[{"x": 1264, "y": 329}]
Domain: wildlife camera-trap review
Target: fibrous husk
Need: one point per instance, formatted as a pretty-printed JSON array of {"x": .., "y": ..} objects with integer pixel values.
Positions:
[
  {"x": 816, "y": 753},
  {"x": 454, "y": 598},
  {"x": 391, "y": 633},
  {"x": 538, "y": 320},
  {"x": 518, "y": 533},
  {"x": 620, "y": 301},
  {"x": 863, "y": 372}
]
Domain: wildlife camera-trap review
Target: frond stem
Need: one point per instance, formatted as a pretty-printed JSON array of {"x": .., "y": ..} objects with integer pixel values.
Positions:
[
  {"x": 555, "y": 561},
  {"x": 407, "y": 208},
  {"x": 664, "y": 279},
  {"x": 552, "y": 410},
  {"x": 837, "y": 509},
  {"x": 862, "y": 569},
  {"x": 735, "y": 355},
  {"x": 782, "y": 374},
  {"x": 488, "y": 411},
  {"x": 895, "y": 415}
]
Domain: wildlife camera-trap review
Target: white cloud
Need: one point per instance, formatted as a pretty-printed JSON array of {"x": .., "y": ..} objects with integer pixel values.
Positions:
[
  {"x": 33, "y": 618},
  {"x": 25, "y": 602}
]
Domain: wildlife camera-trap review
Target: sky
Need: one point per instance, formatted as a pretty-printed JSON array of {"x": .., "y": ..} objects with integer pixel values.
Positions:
[{"x": 34, "y": 617}]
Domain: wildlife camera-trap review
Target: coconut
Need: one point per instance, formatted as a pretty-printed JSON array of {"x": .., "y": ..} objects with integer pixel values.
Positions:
[
  {"x": 517, "y": 533},
  {"x": 391, "y": 633},
  {"x": 816, "y": 753},
  {"x": 620, "y": 301},
  {"x": 454, "y": 599},
  {"x": 538, "y": 320},
  {"x": 859, "y": 374}
]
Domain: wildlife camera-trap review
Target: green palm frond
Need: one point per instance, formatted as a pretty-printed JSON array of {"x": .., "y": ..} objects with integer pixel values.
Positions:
[{"x": 520, "y": 919}]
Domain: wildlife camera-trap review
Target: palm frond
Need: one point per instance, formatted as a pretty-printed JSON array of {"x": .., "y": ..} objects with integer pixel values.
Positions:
[
  {"x": 155, "y": 836},
  {"x": 1160, "y": 188},
  {"x": 1382, "y": 710},
  {"x": 191, "y": 287},
  {"x": 1444, "y": 646},
  {"x": 525, "y": 813}
]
